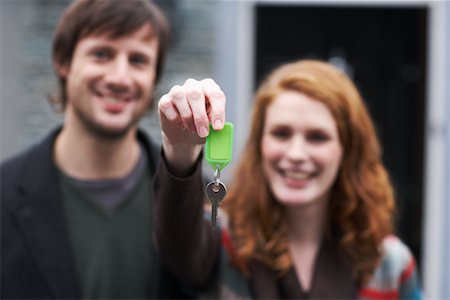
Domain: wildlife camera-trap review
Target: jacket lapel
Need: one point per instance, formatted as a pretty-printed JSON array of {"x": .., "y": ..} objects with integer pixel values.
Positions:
[
  {"x": 333, "y": 275},
  {"x": 41, "y": 218},
  {"x": 332, "y": 279}
]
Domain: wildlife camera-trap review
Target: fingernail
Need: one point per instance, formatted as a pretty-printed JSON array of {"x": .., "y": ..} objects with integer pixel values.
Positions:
[
  {"x": 218, "y": 124},
  {"x": 203, "y": 131}
]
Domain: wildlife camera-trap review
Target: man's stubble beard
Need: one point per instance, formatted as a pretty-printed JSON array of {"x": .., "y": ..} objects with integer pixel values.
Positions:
[{"x": 103, "y": 133}]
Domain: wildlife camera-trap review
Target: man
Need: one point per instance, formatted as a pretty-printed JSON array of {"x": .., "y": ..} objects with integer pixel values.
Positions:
[{"x": 76, "y": 213}]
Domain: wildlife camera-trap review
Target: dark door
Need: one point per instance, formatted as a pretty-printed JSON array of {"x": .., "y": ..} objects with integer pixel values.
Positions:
[{"x": 384, "y": 51}]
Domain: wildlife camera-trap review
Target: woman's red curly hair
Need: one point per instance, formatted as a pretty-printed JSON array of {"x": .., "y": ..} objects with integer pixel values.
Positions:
[{"x": 362, "y": 200}]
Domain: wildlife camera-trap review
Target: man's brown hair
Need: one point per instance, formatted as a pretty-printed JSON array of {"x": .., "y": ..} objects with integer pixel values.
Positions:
[{"x": 114, "y": 17}]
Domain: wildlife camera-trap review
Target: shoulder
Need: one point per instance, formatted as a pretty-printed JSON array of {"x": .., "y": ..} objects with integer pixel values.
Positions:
[
  {"x": 36, "y": 153},
  {"x": 12, "y": 173},
  {"x": 397, "y": 259},
  {"x": 396, "y": 275},
  {"x": 12, "y": 164},
  {"x": 29, "y": 165},
  {"x": 13, "y": 168}
]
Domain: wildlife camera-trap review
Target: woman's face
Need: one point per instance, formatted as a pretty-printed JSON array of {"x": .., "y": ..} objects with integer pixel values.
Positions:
[{"x": 301, "y": 151}]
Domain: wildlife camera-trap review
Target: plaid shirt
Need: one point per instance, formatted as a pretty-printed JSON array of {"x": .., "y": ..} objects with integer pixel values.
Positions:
[{"x": 396, "y": 277}]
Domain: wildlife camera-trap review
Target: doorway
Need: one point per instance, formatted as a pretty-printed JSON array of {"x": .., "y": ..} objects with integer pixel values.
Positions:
[{"x": 383, "y": 49}]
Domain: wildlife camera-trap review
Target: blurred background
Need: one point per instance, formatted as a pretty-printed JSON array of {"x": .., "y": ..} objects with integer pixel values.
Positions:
[{"x": 397, "y": 52}]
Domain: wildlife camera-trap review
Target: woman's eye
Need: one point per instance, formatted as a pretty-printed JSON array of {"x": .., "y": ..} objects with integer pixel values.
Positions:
[
  {"x": 318, "y": 137},
  {"x": 281, "y": 134}
]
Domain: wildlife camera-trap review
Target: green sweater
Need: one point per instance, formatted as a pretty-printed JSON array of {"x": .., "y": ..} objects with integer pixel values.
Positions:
[{"x": 112, "y": 247}]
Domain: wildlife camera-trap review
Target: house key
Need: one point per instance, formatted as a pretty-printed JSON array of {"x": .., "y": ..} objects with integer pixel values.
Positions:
[
  {"x": 218, "y": 153},
  {"x": 215, "y": 191}
]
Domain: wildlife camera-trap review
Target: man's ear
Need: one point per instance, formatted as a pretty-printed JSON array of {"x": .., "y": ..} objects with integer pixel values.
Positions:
[{"x": 61, "y": 69}]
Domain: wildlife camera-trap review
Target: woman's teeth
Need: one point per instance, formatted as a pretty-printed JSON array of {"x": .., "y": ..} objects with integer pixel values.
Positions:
[
  {"x": 297, "y": 175},
  {"x": 112, "y": 100}
]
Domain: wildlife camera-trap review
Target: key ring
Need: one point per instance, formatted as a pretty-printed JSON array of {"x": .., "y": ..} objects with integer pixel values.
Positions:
[
  {"x": 217, "y": 175},
  {"x": 216, "y": 179}
]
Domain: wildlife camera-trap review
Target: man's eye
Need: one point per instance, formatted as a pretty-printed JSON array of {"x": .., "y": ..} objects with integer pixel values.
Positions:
[
  {"x": 138, "y": 60},
  {"x": 102, "y": 54}
]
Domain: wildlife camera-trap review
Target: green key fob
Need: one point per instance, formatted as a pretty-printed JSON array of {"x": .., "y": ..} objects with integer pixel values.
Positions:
[{"x": 219, "y": 146}]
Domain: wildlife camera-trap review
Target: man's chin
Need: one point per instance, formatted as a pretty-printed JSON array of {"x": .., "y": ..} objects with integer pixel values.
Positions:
[
  {"x": 108, "y": 132},
  {"x": 111, "y": 133}
]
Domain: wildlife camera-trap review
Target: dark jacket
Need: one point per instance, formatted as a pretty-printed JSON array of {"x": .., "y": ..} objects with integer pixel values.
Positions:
[
  {"x": 36, "y": 257},
  {"x": 204, "y": 258}
]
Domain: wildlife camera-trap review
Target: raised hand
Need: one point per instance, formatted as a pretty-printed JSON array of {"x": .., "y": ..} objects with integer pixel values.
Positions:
[{"x": 185, "y": 114}]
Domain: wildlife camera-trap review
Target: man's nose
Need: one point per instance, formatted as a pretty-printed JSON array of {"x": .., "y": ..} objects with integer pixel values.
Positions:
[
  {"x": 119, "y": 77},
  {"x": 297, "y": 149}
]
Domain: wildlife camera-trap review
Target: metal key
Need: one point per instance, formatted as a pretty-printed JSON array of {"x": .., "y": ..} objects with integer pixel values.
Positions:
[{"x": 215, "y": 191}]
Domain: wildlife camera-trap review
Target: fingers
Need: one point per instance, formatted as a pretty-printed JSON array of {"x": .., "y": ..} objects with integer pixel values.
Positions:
[
  {"x": 194, "y": 105},
  {"x": 197, "y": 103},
  {"x": 217, "y": 103},
  {"x": 168, "y": 110}
]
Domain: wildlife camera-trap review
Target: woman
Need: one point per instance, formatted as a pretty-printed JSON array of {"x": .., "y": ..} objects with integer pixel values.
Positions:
[{"x": 310, "y": 208}]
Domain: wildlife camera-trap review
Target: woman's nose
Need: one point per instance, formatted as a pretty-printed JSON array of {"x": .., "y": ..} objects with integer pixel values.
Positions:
[{"x": 297, "y": 149}]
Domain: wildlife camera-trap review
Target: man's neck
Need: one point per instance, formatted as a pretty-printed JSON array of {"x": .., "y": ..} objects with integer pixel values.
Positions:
[{"x": 85, "y": 156}]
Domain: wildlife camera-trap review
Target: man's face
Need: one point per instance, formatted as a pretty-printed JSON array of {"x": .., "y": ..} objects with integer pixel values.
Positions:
[{"x": 110, "y": 82}]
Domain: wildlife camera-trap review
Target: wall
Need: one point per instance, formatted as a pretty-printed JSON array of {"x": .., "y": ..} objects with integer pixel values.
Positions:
[{"x": 27, "y": 77}]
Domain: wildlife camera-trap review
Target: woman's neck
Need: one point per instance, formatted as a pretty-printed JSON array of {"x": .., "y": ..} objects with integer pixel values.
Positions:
[
  {"x": 305, "y": 223},
  {"x": 305, "y": 226}
]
